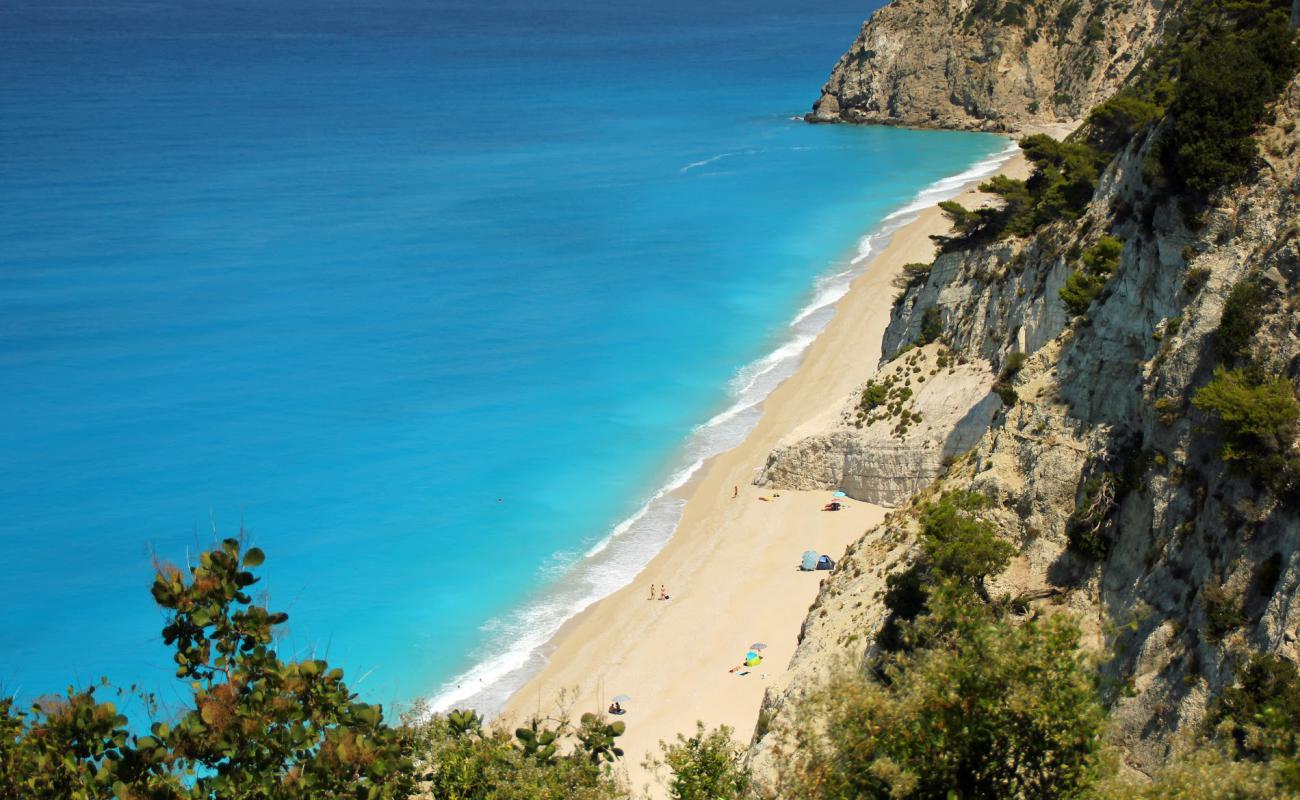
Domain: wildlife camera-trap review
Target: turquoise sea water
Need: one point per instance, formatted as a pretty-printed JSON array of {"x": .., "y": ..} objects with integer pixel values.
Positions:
[{"x": 429, "y": 297}]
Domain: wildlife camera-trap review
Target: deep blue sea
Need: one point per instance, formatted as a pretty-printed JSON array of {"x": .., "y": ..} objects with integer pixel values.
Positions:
[{"x": 429, "y": 298}]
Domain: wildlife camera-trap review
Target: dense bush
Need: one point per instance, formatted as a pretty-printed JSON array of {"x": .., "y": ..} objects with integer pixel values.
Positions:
[
  {"x": 1243, "y": 312},
  {"x": 459, "y": 759},
  {"x": 706, "y": 766},
  {"x": 1207, "y": 773},
  {"x": 1256, "y": 417},
  {"x": 1002, "y": 386},
  {"x": 960, "y": 546},
  {"x": 958, "y": 549},
  {"x": 931, "y": 326},
  {"x": 992, "y": 710},
  {"x": 1115, "y": 122},
  {"x": 1085, "y": 284},
  {"x": 912, "y": 275},
  {"x": 1261, "y": 714},
  {"x": 1232, "y": 58},
  {"x": 1063, "y": 181}
]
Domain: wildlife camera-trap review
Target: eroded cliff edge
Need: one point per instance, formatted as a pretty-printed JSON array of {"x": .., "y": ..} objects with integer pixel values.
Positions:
[{"x": 992, "y": 65}]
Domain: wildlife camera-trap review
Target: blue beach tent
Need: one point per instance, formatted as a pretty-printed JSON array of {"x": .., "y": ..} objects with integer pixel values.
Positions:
[
  {"x": 825, "y": 562},
  {"x": 809, "y": 562}
]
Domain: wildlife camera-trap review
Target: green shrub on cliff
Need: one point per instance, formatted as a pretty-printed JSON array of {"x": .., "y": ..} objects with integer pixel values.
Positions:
[
  {"x": 1243, "y": 312},
  {"x": 1063, "y": 181},
  {"x": 1114, "y": 123},
  {"x": 959, "y": 549},
  {"x": 1261, "y": 715},
  {"x": 1226, "y": 80},
  {"x": 1256, "y": 418},
  {"x": 993, "y": 709},
  {"x": 1085, "y": 284},
  {"x": 931, "y": 326}
]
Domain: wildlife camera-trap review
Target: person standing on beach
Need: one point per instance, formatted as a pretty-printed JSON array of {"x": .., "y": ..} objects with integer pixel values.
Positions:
[
  {"x": 652, "y": 591},
  {"x": 735, "y": 492}
]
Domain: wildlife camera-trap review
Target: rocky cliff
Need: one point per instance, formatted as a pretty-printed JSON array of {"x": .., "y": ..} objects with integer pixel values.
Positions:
[
  {"x": 1194, "y": 564},
  {"x": 988, "y": 64}
]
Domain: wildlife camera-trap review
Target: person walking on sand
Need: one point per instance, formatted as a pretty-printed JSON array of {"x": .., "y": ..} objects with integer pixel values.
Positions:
[{"x": 652, "y": 591}]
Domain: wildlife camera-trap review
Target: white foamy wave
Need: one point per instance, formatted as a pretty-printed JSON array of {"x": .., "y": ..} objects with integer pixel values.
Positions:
[
  {"x": 515, "y": 648},
  {"x": 707, "y": 161},
  {"x": 947, "y": 188},
  {"x": 748, "y": 376},
  {"x": 828, "y": 292},
  {"x": 866, "y": 248},
  {"x": 677, "y": 481}
]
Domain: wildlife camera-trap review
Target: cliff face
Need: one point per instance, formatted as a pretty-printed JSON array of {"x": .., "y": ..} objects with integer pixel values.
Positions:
[
  {"x": 988, "y": 64},
  {"x": 1202, "y": 566}
]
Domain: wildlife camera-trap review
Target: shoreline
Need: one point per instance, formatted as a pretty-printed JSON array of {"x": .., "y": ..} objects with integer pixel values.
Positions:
[
  {"x": 607, "y": 565},
  {"x": 729, "y": 565}
]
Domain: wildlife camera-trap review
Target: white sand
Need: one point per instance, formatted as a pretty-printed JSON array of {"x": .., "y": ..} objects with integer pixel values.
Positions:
[{"x": 731, "y": 565}]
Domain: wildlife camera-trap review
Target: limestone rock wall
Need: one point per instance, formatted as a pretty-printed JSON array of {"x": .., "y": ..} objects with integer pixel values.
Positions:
[
  {"x": 987, "y": 65},
  {"x": 1109, "y": 393},
  {"x": 887, "y": 456}
]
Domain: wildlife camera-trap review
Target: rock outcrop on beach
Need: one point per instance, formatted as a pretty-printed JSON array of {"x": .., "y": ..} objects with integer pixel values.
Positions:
[
  {"x": 1189, "y": 563},
  {"x": 988, "y": 64},
  {"x": 931, "y": 409}
]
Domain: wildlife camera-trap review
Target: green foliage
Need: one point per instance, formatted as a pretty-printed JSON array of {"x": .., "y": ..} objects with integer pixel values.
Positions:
[
  {"x": 1002, "y": 386},
  {"x": 1207, "y": 773},
  {"x": 993, "y": 710},
  {"x": 874, "y": 396},
  {"x": 931, "y": 326},
  {"x": 1223, "y": 612},
  {"x": 959, "y": 550},
  {"x": 1232, "y": 58},
  {"x": 596, "y": 737},
  {"x": 913, "y": 275},
  {"x": 256, "y": 727},
  {"x": 1243, "y": 312},
  {"x": 706, "y": 766},
  {"x": 538, "y": 743},
  {"x": 960, "y": 546},
  {"x": 1115, "y": 122},
  {"x": 1262, "y": 713},
  {"x": 1013, "y": 13},
  {"x": 1084, "y": 285},
  {"x": 460, "y": 762},
  {"x": 964, "y": 221},
  {"x": 1080, "y": 289},
  {"x": 1063, "y": 181},
  {"x": 1256, "y": 418},
  {"x": 464, "y": 723}
]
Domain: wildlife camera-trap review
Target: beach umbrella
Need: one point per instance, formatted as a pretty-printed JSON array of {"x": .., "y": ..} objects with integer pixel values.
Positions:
[
  {"x": 758, "y": 646},
  {"x": 839, "y": 494},
  {"x": 622, "y": 698}
]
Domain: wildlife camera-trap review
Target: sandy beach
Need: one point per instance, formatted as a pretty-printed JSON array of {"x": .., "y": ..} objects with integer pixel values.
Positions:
[{"x": 731, "y": 566}]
